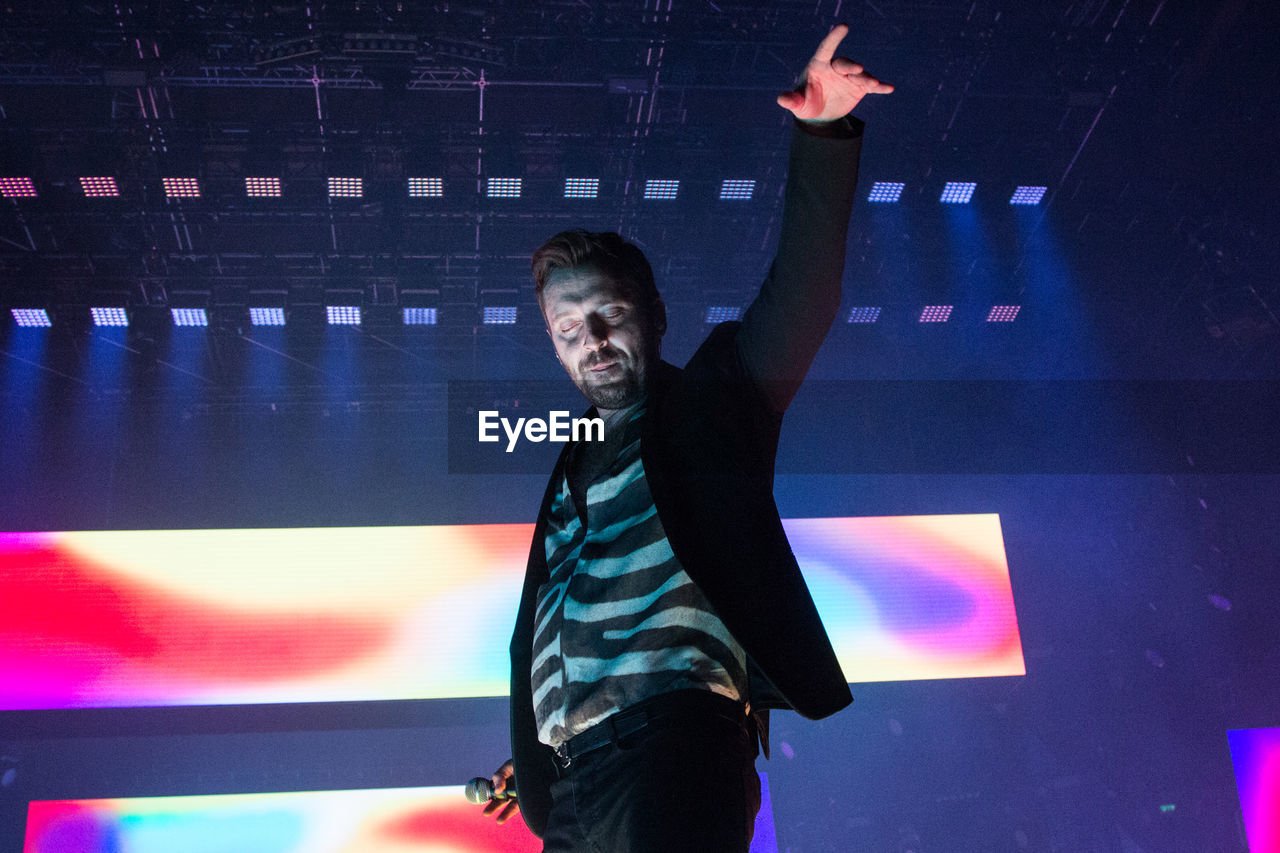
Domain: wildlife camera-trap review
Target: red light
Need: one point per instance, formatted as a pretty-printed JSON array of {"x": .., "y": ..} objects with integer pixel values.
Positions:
[
  {"x": 181, "y": 187},
  {"x": 99, "y": 187},
  {"x": 262, "y": 187},
  {"x": 17, "y": 188}
]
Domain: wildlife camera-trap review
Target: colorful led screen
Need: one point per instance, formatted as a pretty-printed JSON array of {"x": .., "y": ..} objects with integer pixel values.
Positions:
[
  {"x": 1255, "y": 753},
  {"x": 209, "y": 617},
  {"x": 387, "y": 820}
]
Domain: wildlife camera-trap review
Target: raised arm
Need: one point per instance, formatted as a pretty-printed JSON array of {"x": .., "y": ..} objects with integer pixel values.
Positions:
[{"x": 787, "y": 322}]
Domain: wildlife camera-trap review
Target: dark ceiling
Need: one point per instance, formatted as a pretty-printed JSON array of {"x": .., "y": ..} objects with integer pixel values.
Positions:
[{"x": 1145, "y": 119}]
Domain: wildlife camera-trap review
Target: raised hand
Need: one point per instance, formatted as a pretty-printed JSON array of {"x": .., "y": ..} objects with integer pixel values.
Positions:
[{"x": 830, "y": 86}]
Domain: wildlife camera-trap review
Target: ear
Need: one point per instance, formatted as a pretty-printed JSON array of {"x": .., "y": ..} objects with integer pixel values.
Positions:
[{"x": 659, "y": 309}]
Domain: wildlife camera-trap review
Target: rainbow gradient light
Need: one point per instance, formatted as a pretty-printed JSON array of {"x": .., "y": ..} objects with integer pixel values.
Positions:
[
  {"x": 386, "y": 820},
  {"x": 214, "y": 617},
  {"x": 1255, "y": 754}
]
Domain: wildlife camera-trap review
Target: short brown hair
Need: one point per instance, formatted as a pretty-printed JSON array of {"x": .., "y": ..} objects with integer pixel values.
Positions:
[{"x": 604, "y": 250}]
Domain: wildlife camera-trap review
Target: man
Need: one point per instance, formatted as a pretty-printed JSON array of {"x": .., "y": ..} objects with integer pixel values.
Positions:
[{"x": 663, "y": 613}]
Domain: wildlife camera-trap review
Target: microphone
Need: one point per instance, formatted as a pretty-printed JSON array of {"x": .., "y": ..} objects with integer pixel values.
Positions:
[{"x": 480, "y": 791}]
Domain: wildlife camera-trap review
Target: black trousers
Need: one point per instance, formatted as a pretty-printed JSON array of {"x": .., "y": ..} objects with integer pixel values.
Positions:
[{"x": 683, "y": 783}]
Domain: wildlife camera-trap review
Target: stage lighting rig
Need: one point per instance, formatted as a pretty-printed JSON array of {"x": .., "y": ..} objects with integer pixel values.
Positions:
[
  {"x": 379, "y": 45},
  {"x": 471, "y": 52},
  {"x": 291, "y": 50}
]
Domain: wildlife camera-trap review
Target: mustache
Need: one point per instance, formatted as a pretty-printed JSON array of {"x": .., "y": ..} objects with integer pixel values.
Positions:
[{"x": 595, "y": 358}]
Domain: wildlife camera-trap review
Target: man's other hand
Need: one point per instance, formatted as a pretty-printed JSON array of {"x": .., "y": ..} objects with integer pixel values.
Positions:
[
  {"x": 504, "y": 808},
  {"x": 830, "y": 86}
]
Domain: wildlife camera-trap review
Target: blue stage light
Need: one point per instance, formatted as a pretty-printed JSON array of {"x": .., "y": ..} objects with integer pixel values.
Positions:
[
  {"x": 505, "y": 187},
  {"x": 661, "y": 189},
  {"x": 266, "y": 316},
  {"x": 499, "y": 315},
  {"x": 109, "y": 316},
  {"x": 1027, "y": 195},
  {"x": 957, "y": 192},
  {"x": 721, "y": 313},
  {"x": 864, "y": 314},
  {"x": 189, "y": 316},
  {"x": 31, "y": 317},
  {"x": 419, "y": 316},
  {"x": 343, "y": 315},
  {"x": 738, "y": 188},
  {"x": 886, "y": 191},
  {"x": 581, "y": 187}
]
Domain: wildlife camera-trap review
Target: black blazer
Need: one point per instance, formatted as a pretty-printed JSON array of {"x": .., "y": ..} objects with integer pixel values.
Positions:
[{"x": 708, "y": 442}]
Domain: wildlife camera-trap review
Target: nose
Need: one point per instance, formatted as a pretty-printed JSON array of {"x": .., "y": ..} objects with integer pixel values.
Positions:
[{"x": 596, "y": 334}]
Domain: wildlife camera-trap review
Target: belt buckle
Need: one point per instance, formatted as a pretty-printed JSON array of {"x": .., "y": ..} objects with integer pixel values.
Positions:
[{"x": 562, "y": 756}]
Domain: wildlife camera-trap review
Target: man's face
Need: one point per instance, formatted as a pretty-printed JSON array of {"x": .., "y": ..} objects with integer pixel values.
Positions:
[{"x": 605, "y": 340}]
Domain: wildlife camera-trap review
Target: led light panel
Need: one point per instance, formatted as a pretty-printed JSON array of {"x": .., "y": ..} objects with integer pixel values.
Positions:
[
  {"x": 426, "y": 187},
  {"x": 266, "y": 316},
  {"x": 1003, "y": 313},
  {"x": 935, "y": 314},
  {"x": 957, "y": 192},
  {"x": 864, "y": 314},
  {"x": 262, "y": 187},
  {"x": 499, "y": 315},
  {"x": 1027, "y": 195},
  {"x": 31, "y": 317},
  {"x": 419, "y": 316},
  {"x": 1255, "y": 755},
  {"x": 505, "y": 187},
  {"x": 346, "y": 187},
  {"x": 17, "y": 188},
  {"x": 581, "y": 187},
  {"x": 385, "y": 820},
  {"x": 737, "y": 189},
  {"x": 112, "y": 316},
  {"x": 343, "y": 315},
  {"x": 181, "y": 187},
  {"x": 376, "y": 820},
  {"x": 189, "y": 316},
  {"x": 661, "y": 189},
  {"x": 212, "y": 617},
  {"x": 721, "y": 313},
  {"x": 99, "y": 187},
  {"x": 886, "y": 191}
]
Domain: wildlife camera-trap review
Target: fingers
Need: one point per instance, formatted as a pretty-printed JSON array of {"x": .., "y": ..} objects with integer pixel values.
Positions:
[
  {"x": 506, "y": 813},
  {"x": 790, "y": 100},
  {"x": 842, "y": 65},
  {"x": 827, "y": 47}
]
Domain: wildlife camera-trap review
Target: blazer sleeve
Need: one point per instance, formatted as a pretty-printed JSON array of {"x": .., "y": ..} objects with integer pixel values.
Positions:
[{"x": 785, "y": 325}]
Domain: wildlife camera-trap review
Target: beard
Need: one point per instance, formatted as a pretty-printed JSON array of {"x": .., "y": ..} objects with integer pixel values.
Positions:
[{"x": 623, "y": 387}]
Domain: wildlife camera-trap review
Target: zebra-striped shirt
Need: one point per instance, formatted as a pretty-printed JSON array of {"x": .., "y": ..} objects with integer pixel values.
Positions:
[{"x": 619, "y": 620}]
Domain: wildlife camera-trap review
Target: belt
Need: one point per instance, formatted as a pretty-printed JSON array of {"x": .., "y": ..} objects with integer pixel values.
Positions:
[{"x": 639, "y": 716}]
